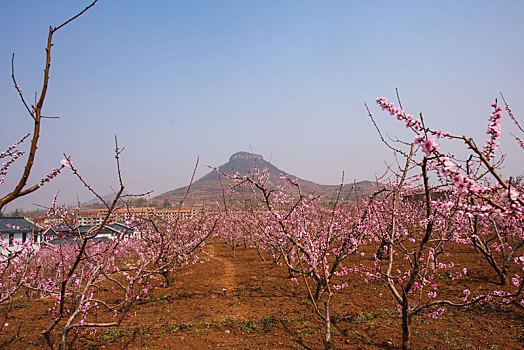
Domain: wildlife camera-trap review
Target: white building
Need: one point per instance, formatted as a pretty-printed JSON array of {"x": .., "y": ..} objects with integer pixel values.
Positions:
[{"x": 17, "y": 232}]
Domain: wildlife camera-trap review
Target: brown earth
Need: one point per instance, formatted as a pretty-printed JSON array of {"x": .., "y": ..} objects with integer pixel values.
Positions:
[{"x": 242, "y": 302}]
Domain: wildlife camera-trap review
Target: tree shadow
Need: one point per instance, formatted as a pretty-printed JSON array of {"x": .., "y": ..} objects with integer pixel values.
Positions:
[{"x": 292, "y": 335}]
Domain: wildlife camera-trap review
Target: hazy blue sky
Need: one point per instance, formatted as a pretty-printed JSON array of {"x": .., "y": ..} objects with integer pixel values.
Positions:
[{"x": 180, "y": 79}]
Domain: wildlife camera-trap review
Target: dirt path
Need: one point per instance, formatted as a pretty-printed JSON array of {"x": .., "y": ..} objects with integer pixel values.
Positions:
[{"x": 228, "y": 279}]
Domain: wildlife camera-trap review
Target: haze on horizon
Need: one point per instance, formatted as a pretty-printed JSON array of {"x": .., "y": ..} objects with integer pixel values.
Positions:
[{"x": 175, "y": 80}]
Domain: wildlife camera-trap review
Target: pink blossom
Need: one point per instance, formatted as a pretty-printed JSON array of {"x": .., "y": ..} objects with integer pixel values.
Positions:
[
  {"x": 448, "y": 164},
  {"x": 466, "y": 294},
  {"x": 419, "y": 138},
  {"x": 510, "y": 195},
  {"x": 429, "y": 146}
]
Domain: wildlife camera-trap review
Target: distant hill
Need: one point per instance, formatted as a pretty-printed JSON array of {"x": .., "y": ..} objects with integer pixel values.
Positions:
[
  {"x": 209, "y": 189},
  {"x": 95, "y": 202}
]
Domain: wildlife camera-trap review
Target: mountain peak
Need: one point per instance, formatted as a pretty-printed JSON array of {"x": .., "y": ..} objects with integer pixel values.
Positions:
[
  {"x": 209, "y": 189},
  {"x": 246, "y": 155}
]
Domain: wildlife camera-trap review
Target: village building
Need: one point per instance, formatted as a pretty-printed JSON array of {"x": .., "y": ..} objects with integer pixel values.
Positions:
[
  {"x": 16, "y": 231},
  {"x": 175, "y": 213},
  {"x": 64, "y": 234}
]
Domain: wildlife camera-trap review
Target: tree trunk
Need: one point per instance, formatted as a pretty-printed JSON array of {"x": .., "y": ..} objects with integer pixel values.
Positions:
[
  {"x": 165, "y": 273},
  {"x": 502, "y": 277},
  {"x": 321, "y": 283},
  {"x": 406, "y": 327},
  {"x": 327, "y": 320},
  {"x": 260, "y": 254}
]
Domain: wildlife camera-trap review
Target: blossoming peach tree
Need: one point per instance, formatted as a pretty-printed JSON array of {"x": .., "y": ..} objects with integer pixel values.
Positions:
[
  {"x": 435, "y": 200},
  {"x": 172, "y": 243},
  {"x": 94, "y": 284},
  {"x": 16, "y": 258},
  {"x": 313, "y": 241}
]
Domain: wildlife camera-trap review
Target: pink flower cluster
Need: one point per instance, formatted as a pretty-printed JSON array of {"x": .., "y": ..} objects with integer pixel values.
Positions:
[
  {"x": 463, "y": 183},
  {"x": 401, "y": 115},
  {"x": 515, "y": 121},
  {"x": 437, "y": 313},
  {"x": 520, "y": 142},
  {"x": 494, "y": 129},
  {"x": 14, "y": 156},
  {"x": 495, "y": 117},
  {"x": 429, "y": 145},
  {"x": 510, "y": 195},
  {"x": 54, "y": 173}
]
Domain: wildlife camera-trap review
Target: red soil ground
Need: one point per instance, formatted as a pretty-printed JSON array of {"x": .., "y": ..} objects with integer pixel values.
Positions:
[{"x": 242, "y": 302}]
